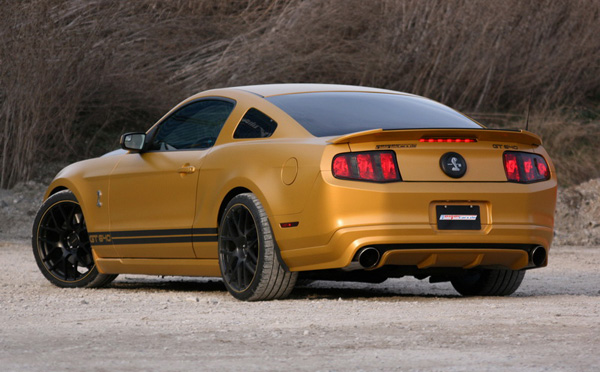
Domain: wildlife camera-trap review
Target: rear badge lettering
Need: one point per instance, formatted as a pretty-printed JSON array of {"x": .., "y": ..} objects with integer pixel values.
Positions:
[
  {"x": 405, "y": 146},
  {"x": 506, "y": 147}
]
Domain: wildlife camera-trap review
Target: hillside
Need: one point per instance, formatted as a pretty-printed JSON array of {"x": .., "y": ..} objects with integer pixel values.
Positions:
[{"x": 75, "y": 74}]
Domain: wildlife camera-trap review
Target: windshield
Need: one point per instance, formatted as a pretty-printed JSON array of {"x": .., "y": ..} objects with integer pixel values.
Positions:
[{"x": 338, "y": 113}]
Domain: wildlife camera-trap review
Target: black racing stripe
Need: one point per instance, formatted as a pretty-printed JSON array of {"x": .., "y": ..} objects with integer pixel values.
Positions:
[
  {"x": 205, "y": 231},
  {"x": 155, "y": 236},
  {"x": 129, "y": 234},
  {"x": 208, "y": 238},
  {"x": 102, "y": 243},
  {"x": 142, "y": 233},
  {"x": 99, "y": 232},
  {"x": 159, "y": 240}
]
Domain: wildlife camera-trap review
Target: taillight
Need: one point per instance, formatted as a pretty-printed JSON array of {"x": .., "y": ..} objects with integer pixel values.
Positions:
[
  {"x": 447, "y": 140},
  {"x": 374, "y": 166},
  {"x": 524, "y": 167}
]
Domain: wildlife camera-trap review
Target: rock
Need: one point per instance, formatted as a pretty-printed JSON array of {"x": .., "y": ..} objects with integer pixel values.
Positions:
[{"x": 578, "y": 215}]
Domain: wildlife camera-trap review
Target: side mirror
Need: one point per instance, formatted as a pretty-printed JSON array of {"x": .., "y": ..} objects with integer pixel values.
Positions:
[{"x": 133, "y": 141}]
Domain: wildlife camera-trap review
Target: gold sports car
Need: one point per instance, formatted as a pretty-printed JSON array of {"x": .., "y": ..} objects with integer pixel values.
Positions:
[{"x": 264, "y": 184}]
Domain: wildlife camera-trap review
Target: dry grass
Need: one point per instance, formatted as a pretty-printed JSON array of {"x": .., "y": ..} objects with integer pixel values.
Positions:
[{"x": 76, "y": 73}]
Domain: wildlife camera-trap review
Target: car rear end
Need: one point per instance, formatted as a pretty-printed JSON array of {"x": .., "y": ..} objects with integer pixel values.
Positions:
[{"x": 426, "y": 199}]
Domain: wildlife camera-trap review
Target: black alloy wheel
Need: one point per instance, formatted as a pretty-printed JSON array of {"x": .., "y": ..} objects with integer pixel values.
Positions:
[
  {"x": 61, "y": 244},
  {"x": 248, "y": 258},
  {"x": 239, "y": 247}
]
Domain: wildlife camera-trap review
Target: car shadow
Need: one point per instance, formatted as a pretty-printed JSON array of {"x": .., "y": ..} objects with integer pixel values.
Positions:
[
  {"x": 317, "y": 290},
  {"x": 333, "y": 293},
  {"x": 335, "y": 290},
  {"x": 169, "y": 284}
]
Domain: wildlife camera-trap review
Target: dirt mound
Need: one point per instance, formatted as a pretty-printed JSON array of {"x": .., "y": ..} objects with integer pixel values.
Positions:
[
  {"x": 18, "y": 207},
  {"x": 578, "y": 215}
]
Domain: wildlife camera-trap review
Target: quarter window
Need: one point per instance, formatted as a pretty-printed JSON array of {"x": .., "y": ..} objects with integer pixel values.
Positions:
[
  {"x": 194, "y": 126},
  {"x": 255, "y": 124}
]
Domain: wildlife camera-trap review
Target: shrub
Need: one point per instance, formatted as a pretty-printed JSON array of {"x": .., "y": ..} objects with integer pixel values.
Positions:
[{"x": 76, "y": 73}]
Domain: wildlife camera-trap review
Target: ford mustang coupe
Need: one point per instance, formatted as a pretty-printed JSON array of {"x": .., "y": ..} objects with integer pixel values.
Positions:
[{"x": 262, "y": 184}]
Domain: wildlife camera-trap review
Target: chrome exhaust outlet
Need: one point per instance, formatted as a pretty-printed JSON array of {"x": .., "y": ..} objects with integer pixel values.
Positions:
[
  {"x": 538, "y": 256},
  {"x": 368, "y": 257}
]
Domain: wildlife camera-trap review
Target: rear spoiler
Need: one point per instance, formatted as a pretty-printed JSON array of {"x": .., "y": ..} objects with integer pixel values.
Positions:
[{"x": 500, "y": 135}]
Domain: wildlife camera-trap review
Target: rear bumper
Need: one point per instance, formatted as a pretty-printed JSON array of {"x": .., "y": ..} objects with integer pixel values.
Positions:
[
  {"x": 418, "y": 246},
  {"x": 343, "y": 216}
]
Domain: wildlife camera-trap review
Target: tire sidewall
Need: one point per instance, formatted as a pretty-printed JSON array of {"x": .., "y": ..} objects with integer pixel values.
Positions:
[
  {"x": 489, "y": 282},
  {"x": 263, "y": 230},
  {"x": 61, "y": 196}
]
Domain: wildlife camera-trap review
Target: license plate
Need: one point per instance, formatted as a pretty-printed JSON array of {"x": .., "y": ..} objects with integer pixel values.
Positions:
[{"x": 458, "y": 217}]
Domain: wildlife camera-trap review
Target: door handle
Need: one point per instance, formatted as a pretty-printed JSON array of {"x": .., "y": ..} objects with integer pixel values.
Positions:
[{"x": 187, "y": 169}]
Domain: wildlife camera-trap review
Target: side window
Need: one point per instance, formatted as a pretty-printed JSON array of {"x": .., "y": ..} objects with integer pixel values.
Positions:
[
  {"x": 255, "y": 124},
  {"x": 196, "y": 125}
]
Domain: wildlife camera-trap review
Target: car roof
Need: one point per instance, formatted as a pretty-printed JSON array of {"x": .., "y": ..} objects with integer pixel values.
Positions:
[{"x": 268, "y": 90}]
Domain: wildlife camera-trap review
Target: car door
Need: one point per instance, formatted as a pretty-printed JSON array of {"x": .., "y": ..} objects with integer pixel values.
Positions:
[{"x": 152, "y": 195}]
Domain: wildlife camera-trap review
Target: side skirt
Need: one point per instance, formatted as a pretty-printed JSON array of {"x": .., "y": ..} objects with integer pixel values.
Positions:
[{"x": 176, "y": 267}]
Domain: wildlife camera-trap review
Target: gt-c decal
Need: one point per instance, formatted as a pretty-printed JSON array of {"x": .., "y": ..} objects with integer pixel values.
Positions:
[
  {"x": 154, "y": 236},
  {"x": 100, "y": 238}
]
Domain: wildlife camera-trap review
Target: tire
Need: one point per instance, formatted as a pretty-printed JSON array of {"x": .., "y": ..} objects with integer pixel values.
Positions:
[
  {"x": 248, "y": 259},
  {"x": 61, "y": 245},
  {"x": 489, "y": 282}
]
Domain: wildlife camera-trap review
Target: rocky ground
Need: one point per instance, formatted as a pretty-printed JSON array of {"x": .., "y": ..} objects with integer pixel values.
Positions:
[
  {"x": 577, "y": 215},
  {"x": 552, "y": 323}
]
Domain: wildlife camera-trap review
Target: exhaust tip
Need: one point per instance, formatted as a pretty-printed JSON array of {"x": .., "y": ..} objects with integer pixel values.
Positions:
[
  {"x": 538, "y": 256},
  {"x": 368, "y": 257}
]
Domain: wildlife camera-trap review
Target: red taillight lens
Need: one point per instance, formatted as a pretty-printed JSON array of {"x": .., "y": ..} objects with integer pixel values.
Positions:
[
  {"x": 511, "y": 167},
  {"x": 365, "y": 167},
  {"x": 524, "y": 167},
  {"x": 543, "y": 169},
  {"x": 375, "y": 166},
  {"x": 341, "y": 167},
  {"x": 388, "y": 166}
]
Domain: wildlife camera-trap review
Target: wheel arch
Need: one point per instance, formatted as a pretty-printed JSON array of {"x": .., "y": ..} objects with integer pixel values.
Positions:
[
  {"x": 230, "y": 195},
  {"x": 57, "y": 189},
  {"x": 241, "y": 190},
  {"x": 86, "y": 195}
]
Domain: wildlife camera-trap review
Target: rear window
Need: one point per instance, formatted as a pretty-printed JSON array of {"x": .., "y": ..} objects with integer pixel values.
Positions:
[{"x": 338, "y": 113}]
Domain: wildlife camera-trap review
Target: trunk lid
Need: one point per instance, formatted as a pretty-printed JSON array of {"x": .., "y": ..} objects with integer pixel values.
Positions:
[{"x": 421, "y": 152}]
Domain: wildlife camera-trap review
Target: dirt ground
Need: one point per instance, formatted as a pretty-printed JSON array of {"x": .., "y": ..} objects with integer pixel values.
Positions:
[{"x": 552, "y": 323}]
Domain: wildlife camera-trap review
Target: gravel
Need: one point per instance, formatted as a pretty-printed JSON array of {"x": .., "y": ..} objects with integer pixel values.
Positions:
[{"x": 138, "y": 323}]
